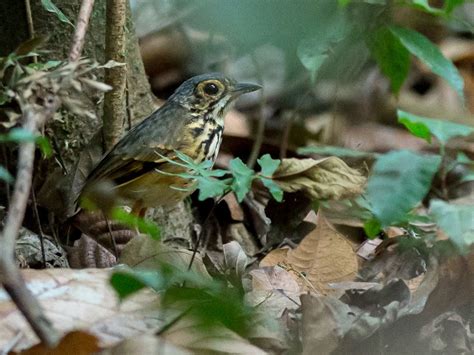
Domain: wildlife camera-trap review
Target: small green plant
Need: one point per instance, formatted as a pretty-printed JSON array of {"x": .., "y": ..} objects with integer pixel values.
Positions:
[
  {"x": 211, "y": 301},
  {"x": 238, "y": 178},
  {"x": 401, "y": 179}
]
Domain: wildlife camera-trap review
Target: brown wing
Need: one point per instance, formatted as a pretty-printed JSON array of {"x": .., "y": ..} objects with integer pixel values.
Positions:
[
  {"x": 124, "y": 169},
  {"x": 142, "y": 149}
]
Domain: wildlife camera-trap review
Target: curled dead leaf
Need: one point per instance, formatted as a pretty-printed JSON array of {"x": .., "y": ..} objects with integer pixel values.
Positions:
[{"x": 324, "y": 179}]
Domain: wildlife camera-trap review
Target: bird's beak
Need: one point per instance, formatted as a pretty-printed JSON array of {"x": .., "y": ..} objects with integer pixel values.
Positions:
[{"x": 242, "y": 88}]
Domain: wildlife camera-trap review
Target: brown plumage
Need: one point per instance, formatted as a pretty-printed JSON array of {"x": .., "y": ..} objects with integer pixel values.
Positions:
[{"x": 191, "y": 121}]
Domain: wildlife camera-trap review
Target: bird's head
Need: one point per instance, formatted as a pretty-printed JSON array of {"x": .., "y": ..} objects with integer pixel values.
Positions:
[{"x": 210, "y": 95}]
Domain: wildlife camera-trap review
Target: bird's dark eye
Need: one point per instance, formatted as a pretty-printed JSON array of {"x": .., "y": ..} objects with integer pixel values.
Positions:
[{"x": 211, "y": 89}]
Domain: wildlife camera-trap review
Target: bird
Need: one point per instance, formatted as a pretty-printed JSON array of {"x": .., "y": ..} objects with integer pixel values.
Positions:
[{"x": 139, "y": 169}]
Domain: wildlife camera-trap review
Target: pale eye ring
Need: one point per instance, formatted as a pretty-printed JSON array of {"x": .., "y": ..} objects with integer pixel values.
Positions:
[{"x": 211, "y": 89}]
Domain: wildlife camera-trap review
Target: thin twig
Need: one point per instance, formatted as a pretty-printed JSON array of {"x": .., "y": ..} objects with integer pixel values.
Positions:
[
  {"x": 286, "y": 135},
  {"x": 29, "y": 19},
  {"x": 114, "y": 100},
  {"x": 81, "y": 29},
  {"x": 31, "y": 27},
  {"x": 201, "y": 232},
  {"x": 6, "y": 165},
  {"x": 288, "y": 124},
  {"x": 10, "y": 275},
  {"x": 257, "y": 144},
  {"x": 40, "y": 229}
]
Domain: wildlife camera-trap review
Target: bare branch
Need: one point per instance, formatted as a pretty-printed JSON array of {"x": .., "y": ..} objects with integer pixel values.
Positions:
[
  {"x": 81, "y": 28},
  {"x": 114, "y": 101},
  {"x": 10, "y": 275}
]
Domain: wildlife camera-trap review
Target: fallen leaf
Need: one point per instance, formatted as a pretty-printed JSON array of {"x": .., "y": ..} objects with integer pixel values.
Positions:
[
  {"x": 274, "y": 290},
  {"x": 236, "y": 212},
  {"x": 77, "y": 342},
  {"x": 324, "y": 256},
  {"x": 199, "y": 338},
  {"x": 238, "y": 232},
  {"x": 146, "y": 344},
  {"x": 274, "y": 278},
  {"x": 235, "y": 259},
  {"x": 146, "y": 253},
  {"x": 80, "y": 300},
  {"x": 324, "y": 324},
  {"x": 323, "y": 179}
]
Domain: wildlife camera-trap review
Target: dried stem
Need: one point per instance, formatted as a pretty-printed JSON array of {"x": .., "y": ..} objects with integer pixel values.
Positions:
[
  {"x": 10, "y": 274},
  {"x": 114, "y": 102},
  {"x": 81, "y": 29}
]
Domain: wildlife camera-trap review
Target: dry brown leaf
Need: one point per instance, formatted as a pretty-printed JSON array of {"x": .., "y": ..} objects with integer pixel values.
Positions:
[
  {"x": 274, "y": 290},
  {"x": 80, "y": 299},
  {"x": 273, "y": 278},
  {"x": 238, "y": 232},
  {"x": 324, "y": 323},
  {"x": 235, "y": 210},
  {"x": 324, "y": 256},
  {"x": 324, "y": 179},
  {"x": 76, "y": 342}
]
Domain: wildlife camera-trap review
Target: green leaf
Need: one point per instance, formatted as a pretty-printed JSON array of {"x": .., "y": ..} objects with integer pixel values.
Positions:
[
  {"x": 391, "y": 56},
  {"x": 456, "y": 221},
  {"x": 127, "y": 282},
  {"x": 210, "y": 187},
  {"x": 468, "y": 177},
  {"x": 343, "y": 3},
  {"x": 5, "y": 175},
  {"x": 211, "y": 304},
  {"x": 426, "y": 7},
  {"x": 418, "y": 129},
  {"x": 372, "y": 228},
  {"x": 429, "y": 53},
  {"x": 336, "y": 151},
  {"x": 463, "y": 158},
  {"x": 49, "y": 6},
  {"x": 243, "y": 177},
  {"x": 18, "y": 135},
  {"x": 4, "y": 98},
  {"x": 274, "y": 189},
  {"x": 441, "y": 129},
  {"x": 44, "y": 146},
  {"x": 399, "y": 181},
  {"x": 449, "y": 6},
  {"x": 44, "y": 66},
  {"x": 268, "y": 165},
  {"x": 143, "y": 225}
]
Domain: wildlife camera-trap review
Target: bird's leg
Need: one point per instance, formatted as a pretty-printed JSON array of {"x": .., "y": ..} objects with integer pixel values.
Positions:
[{"x": 142, "y": 212}]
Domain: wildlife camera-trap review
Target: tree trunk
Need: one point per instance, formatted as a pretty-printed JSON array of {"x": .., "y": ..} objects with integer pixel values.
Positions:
[{"x": 77, "y": 140}]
